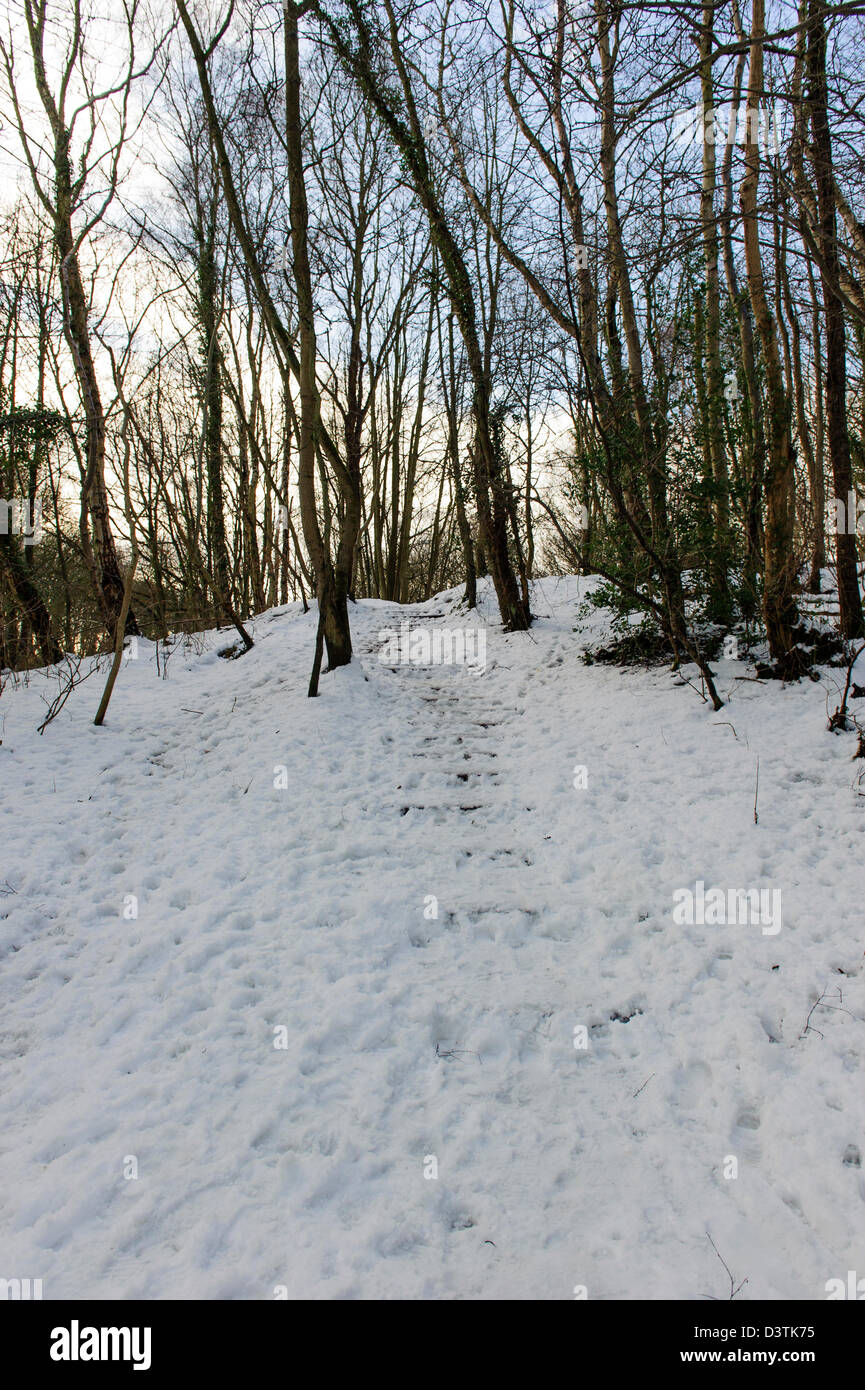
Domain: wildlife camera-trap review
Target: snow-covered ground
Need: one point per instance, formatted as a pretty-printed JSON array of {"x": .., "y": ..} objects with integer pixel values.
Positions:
[{"x": 373, "y": 932}]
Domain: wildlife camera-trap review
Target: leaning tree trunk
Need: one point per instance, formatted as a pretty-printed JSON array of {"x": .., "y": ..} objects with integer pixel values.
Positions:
[
  {"x": 313, "y": 437},
  {"x": 400, "y": 118},
  {"x": 94, "y": 494}
]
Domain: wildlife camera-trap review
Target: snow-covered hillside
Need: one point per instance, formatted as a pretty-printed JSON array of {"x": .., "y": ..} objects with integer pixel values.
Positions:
[{"x": 321, "y": 972}]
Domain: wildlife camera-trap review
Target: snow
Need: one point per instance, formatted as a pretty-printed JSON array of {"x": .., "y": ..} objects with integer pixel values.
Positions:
[{"x": 285, "y": 854}]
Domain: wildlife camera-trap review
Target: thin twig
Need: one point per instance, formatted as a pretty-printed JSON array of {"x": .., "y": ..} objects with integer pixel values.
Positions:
[{"x": 734, "y": 1287}]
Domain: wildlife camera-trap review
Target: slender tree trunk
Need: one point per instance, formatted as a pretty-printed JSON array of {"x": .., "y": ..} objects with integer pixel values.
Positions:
[
  {"x": 754, "y": 463},
  {"x": 849, "y": 598},
  {"x": 719, "y": 598},
  {"x": 332, "y": 580},
  {"x": 818, "y": 482},
  {"x": 779, "y": 609},
  {"x": 212, "y": 403},
  {"x": 816, "y": 500}
]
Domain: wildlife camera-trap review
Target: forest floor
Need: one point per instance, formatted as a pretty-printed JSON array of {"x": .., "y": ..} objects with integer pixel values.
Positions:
[{"x": 381, "y": 996}]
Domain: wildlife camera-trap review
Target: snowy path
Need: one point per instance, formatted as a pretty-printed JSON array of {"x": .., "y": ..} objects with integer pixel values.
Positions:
[{"x": 408, "y": 1036}]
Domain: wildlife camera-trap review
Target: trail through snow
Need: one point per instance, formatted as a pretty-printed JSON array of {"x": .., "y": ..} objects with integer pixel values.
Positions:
[{"x": 405, "y": 883}]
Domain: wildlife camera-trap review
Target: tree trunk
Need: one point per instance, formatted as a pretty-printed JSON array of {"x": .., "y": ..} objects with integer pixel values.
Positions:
[
  {"x": 720, "y": 608},
  {"x": 779, "y": 609},
  {"x": 30, "y": 600},
  {"x": 490, "y": 485},
  {"x": 849, "y": 598},
  {"x": 332, "y": 580},
  {"x": 212, "y": 403}
]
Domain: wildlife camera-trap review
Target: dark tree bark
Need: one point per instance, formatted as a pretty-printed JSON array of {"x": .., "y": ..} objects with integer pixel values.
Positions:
[
  {"x": 838, "y": 438},
  {"x": 333, "y": 578},
  {"x": 29, "y": 599}
]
